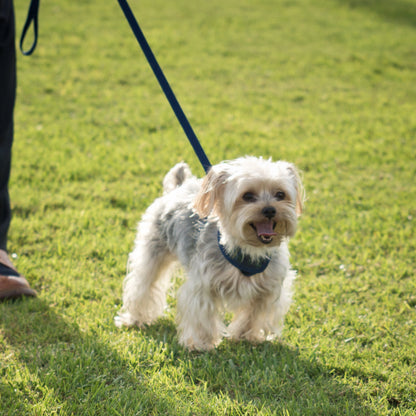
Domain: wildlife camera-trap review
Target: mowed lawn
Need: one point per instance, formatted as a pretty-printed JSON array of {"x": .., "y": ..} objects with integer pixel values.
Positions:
[{"x": 329, "y": 85}]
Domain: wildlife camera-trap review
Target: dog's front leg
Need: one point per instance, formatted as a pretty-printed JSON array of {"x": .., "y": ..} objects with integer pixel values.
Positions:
[{"x": 199, "y": 323}]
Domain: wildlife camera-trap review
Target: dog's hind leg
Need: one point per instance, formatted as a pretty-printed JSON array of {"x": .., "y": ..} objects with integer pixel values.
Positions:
[{"x": 146, "y": 283}]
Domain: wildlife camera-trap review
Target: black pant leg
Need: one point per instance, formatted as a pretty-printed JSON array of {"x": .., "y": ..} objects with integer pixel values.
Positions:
[{"x": 7, "y": 100}]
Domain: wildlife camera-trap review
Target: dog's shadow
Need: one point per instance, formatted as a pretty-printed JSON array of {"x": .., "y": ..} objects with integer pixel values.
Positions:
[
  {"x": 271, "y": 375},
  {"x": 71, "y": 366}
]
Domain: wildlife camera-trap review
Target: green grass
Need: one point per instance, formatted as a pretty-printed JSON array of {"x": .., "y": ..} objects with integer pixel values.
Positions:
[{"x": 327, "y": 84}]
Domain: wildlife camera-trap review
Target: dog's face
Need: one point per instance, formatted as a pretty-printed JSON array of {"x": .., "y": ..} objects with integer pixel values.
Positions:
[{"x": 256, "y": 201}]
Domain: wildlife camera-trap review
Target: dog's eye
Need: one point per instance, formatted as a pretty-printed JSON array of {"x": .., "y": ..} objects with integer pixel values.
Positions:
[
  {"x": 249, "y": 197},
  {"x": 280, "y": 195}
]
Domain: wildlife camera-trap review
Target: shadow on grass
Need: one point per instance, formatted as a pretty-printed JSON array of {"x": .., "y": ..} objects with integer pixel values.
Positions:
[
  {"x": 59, "y": 368},
  {"x": 272, "y": 375},
  {"x": 63, "y": 370},
  {"x": 399, "y": 11}
]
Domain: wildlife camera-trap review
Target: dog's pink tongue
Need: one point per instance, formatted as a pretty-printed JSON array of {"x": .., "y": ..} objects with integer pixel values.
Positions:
[{"x": 265, "y": 228}]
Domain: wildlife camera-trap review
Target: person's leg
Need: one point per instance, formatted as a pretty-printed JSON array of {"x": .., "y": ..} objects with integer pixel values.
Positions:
[
  {"x": 12, "y": 284},
  {"x": 7, "y": 100}
]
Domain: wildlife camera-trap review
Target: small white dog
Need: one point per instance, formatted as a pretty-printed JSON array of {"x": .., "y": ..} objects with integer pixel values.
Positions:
[{"x": 230, "y": 232}]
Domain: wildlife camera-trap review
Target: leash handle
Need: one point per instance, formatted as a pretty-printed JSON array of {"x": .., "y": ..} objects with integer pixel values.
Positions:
[
  {"x": 164, "y": 84},
  {"x": 32, "y": 16}
]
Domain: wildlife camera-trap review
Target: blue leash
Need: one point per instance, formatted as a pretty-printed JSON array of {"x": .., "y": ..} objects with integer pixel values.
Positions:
[
  {"x": 32, "y": 16},
  {"x": 245, "y": 264},
  {"x": 180, "y": 115}
]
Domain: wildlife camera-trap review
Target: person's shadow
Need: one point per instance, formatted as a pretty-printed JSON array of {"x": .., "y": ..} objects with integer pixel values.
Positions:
[
  {"x": 402, "y": 12},
  {"x": 74, "y": 372}
]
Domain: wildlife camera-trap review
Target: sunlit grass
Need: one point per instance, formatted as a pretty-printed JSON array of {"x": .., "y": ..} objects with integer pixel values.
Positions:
[{"x": 328, "y": 85}]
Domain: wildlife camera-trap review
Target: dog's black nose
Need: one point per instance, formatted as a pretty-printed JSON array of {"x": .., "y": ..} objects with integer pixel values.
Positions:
[{"x": 269, "y": 212}]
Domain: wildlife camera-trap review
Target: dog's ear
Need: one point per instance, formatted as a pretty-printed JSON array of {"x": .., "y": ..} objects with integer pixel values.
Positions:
[
  {"x": 211, "y": 193},
  {"x": 300, "y": 197}
]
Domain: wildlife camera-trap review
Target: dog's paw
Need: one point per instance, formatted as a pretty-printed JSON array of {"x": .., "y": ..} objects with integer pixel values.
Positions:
[
  {"x": 124, "y": 319},
  {"x": 197, "y": 346},
  {"x": 194, "y": 344},
  {"x": 239, "y": 332}
]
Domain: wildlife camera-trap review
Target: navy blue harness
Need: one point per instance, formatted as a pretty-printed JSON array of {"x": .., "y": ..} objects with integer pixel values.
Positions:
[{"x": 246, "y": 265}]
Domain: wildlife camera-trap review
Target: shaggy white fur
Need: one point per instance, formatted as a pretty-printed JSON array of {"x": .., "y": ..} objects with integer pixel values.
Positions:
[{"x": 254, "y": 204}]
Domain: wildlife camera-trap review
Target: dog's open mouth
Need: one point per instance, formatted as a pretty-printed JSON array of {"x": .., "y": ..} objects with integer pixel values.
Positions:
[{"x": 264, "y": 230}]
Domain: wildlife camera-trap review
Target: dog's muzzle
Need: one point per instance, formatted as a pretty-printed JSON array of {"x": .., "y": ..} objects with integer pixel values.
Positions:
[{"x": 264, "y": 230}]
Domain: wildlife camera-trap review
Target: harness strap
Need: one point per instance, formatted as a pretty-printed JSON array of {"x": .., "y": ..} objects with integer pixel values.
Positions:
[
  {"x": 244, "y": 263},
  {"x": 164, "y": 84},
  {"x": 32, "y": 16}
]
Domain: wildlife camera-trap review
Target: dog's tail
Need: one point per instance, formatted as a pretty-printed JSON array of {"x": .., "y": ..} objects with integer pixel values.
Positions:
[{"x": 176, "y": 177}]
